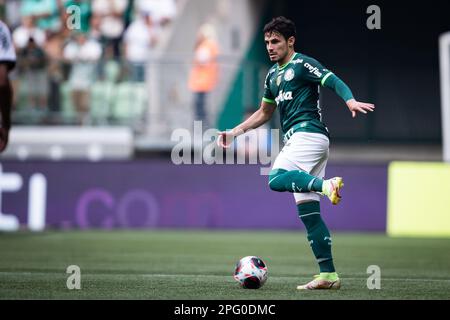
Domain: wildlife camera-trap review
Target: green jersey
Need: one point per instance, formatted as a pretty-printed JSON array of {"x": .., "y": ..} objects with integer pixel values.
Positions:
[{"x": 294, "y": 87}]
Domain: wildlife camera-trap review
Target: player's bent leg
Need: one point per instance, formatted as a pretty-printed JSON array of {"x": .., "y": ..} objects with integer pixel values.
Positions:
[
  {"x": 320, "y": 241},
  {"x": 294, "y": 181},
  {"x": 297, "y": 181}
]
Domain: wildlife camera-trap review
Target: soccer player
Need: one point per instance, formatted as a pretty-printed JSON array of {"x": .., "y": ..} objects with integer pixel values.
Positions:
[
  {"x": 7, "y": 63},
  {"x": 292, "y": 86}
]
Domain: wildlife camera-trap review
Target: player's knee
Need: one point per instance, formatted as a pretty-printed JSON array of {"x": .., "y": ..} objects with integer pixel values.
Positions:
[{"x": 275, "y": 180}]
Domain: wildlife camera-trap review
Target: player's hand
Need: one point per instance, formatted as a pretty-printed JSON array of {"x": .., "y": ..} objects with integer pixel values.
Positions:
[
  {"x": 4, "y": 135},
  {"x": 356, "y": 106},
  {"x": 225, "y": 138}
]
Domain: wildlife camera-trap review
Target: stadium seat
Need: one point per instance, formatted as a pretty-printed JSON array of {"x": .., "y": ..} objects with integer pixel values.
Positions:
[
  {"x": 101, "y": 98},
  {"x": 130, "y": 102},
  {"x": 111, "y": 71},
  {"x": 68, "y": 113}
]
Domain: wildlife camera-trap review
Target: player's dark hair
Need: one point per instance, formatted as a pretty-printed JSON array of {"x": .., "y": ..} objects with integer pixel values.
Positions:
[{"x": 281, "y": 25}]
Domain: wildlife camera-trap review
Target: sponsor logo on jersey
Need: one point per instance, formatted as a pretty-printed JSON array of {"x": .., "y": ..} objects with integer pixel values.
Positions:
[
  {"x": 283, "y": 96},
  {"x": 289, "y": 75},
  {"x": 297, "y": 61},
  {"x": 313, "y": 70}
]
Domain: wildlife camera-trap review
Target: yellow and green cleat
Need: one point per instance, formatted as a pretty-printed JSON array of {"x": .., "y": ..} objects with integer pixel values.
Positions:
[
  {"x": 328, "y": 281},
  {"x": 332, "y": 187}
]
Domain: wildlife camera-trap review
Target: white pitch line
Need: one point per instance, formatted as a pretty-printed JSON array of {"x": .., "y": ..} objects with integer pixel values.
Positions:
[
  {"x": 161, "y": 275},
  {"x": 278, "y": 277}
]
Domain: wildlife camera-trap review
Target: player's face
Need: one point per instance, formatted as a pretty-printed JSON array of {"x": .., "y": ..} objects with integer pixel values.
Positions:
[{"x": 278, "y": 47}]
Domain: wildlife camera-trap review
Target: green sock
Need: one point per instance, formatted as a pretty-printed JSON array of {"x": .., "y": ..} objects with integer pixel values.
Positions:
[
  {"x": 318, "y": 234},
  {"x": 294, "y": 181}
]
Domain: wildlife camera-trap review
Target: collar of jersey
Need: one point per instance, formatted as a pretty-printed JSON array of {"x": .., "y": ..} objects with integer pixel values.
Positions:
[{"x": 285, "y": 65}]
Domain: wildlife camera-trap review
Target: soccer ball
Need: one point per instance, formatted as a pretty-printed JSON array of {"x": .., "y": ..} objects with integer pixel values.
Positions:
[{"x": 251, "y": 272}]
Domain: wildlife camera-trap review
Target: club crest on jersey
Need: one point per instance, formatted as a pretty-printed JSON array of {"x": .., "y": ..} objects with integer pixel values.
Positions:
[
  {"x": 283, "y": 96},
  {"x": 289, "y": 74}
]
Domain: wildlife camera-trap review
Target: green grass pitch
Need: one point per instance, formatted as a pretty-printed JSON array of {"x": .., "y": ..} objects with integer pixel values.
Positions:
[{"x": 178, "y": 264}]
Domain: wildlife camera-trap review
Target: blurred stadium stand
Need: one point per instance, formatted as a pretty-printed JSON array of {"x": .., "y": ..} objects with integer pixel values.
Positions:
[{"x": 396, "y": 68}]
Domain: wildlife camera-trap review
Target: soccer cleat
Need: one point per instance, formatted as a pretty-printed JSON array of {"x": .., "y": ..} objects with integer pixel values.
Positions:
[
  {"x": 320, "y": 283},
  {"x": 331, "y": 189}
]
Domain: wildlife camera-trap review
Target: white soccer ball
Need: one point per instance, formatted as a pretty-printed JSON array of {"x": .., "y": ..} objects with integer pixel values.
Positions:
[{"x": 251, "y": 272}]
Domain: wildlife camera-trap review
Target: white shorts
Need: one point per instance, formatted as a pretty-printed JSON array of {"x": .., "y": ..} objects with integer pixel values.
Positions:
[{"x": 308, "y": 152}]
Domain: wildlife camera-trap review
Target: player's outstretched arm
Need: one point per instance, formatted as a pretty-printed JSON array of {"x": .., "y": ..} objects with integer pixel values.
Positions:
[
  {"x": 258, "y": 118},
  {"x": 342, "y": 90}
]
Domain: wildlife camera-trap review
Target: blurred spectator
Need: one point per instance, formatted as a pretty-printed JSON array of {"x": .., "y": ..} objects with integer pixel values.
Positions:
[
  {"x": 204, "y": 74},
  {"x": 163, "y": 11},
  {"x": 46, "y": 13},
  {"x": 112, "y": 24},
  {"x": 29, "y": 42},
  {"x": 54, "y": 52},
  {"x": 7, "y": 63},
  {"x": 83, "y": 54},
  {"x": 94, "y": 28},
  {"x": 26, "y": 31},
  {"x": 129, "y": 13},
  {"x": 13, "y": 13},
  {"x": 138, "y": 40}
]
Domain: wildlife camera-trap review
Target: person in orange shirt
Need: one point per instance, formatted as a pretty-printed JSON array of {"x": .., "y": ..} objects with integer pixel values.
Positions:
[{"x": 204, "y": 73}]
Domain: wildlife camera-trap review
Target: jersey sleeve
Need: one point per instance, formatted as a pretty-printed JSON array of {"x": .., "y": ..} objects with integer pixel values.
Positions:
[
  {"x": 337, "y": 85},
  {"x": 268, "y": 96},
  {"x": 313, "y": 71}
]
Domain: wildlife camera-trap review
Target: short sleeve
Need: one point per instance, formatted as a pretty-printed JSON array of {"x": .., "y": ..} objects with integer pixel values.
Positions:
[
  {"x": 268, "y": 96},
  {"x": 313, "y": 71}
]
